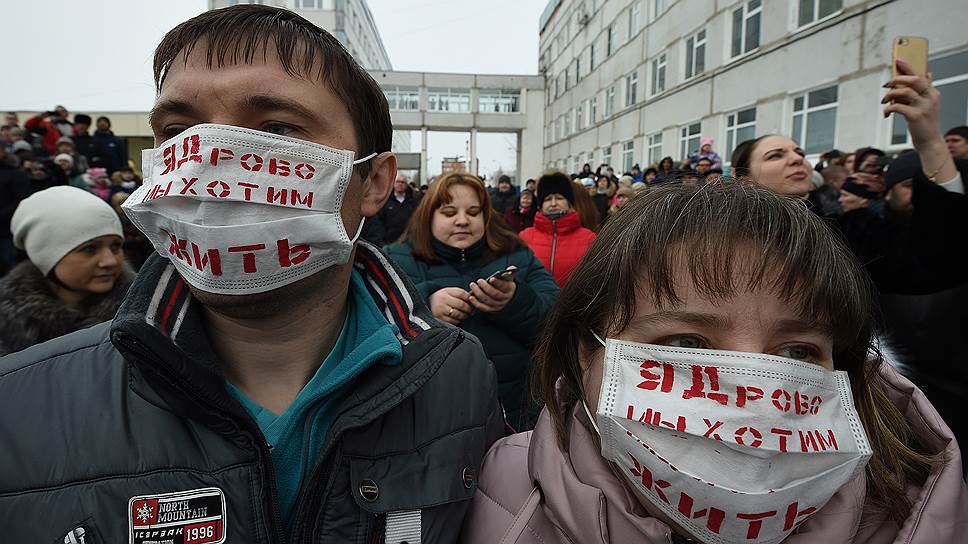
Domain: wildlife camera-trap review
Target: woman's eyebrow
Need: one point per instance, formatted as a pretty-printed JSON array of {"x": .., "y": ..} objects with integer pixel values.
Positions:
[{"x": 688, "y": 318}]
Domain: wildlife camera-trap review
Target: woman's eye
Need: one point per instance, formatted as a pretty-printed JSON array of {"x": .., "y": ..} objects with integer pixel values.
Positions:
[
  {"x": 684, "y": 341},
  {"x": 278, "y": 129},
  {"x": 797, "y": 352},
  {"x": 89, "y": 249}
]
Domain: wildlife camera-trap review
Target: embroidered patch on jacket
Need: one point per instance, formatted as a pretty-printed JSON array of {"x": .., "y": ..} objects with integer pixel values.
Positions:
[{"x": 185, "y": 517}]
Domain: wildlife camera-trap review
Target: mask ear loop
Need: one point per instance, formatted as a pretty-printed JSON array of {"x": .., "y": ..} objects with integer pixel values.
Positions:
[
  {"x": 359, "y": 229},
  {"x": 583, "y": 403}
]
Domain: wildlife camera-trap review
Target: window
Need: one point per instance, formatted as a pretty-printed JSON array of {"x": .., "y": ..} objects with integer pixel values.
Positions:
[
  {"x": 499, "y": 101},
  {"x": 815, "y": 10},
  {"x": 609, "y": 102},
  {"x": 568, "y": 115},
  {"x": 746, "y": 28},
  {"x": 658, "y": 74},
  {"x": 631, "y": 88},
  {"x": 402, "y": 98},
  {"x": 450, "y": 100},
  {"x": 593, "y": 111},
  {"x": 689, "y": 140},
  {"x": 591, "y": 57},
  {"x": 580, "y": 117},
  {"x": 577, "y": 164},
  {"x": 607, "y": 155},
  {"x": 549, "y": 133},
  {"x": 655, "y": 148},
  {"x": 609, "y": 42},
  {"x": 815, "y": 119},
  {"x": 740, "y": 126},
  {"x": 696, "y": 54},
  {"x": 951, "y": 79},
  {"x": 659, "y": 7},
  {"x": 577, "y": 68},
  {"x": 628, "y": 150},
  {"x": 635, "y": 18}
]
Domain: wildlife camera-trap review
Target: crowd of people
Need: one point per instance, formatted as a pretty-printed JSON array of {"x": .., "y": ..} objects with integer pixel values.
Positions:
[{"x": 697, "y": 349}]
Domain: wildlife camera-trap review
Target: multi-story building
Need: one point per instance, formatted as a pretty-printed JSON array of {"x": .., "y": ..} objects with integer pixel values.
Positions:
[
  {"x": 632, "y": 81},
  {"x": 352, "y": 24}
]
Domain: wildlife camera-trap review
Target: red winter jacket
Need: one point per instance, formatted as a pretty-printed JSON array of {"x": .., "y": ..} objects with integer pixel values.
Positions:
[
  {"x": 559, "y": 244},
  {"x": 48, "y": 131}
]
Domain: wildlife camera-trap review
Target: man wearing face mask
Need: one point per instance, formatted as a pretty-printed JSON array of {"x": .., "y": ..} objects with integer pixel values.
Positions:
[{"x": 268, "y": 378}]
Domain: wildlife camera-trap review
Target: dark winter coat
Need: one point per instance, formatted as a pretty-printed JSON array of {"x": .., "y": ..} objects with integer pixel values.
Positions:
[
  {"x": 502, "y": 201},
  {"x": 519, "y": 221},
  {"x": 98, "y": 425},
  {"x": 115, "y": 149},
  {"x": 14, "y": 187},
  {"x": 30, "y": 313},
  {"x": 90, "y": 148},
  {"x": 395, "y": 215},
  {"x": 558, "y": 243},
  {"x": 508, "y": 335}
]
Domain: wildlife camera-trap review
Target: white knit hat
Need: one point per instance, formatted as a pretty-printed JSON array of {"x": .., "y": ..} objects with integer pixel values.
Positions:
[{"x": 50, "y": 223}]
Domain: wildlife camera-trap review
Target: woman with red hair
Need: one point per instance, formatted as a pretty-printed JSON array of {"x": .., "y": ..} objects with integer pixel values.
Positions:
[{"x": 454, "y": 245}]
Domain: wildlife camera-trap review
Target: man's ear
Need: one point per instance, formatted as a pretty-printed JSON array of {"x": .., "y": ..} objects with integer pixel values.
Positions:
[{"x": 377, "y": 186}]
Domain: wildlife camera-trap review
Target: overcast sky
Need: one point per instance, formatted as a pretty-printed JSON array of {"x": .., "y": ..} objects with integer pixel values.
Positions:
[{"x": 96, "y": 54}]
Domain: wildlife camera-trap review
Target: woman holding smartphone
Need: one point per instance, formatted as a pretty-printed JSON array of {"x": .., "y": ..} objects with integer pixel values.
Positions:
[
  {"x": 720, "y": 383},
  {"x": 454, "y": 243}
]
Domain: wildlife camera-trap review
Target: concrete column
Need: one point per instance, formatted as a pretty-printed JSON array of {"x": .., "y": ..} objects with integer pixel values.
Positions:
[
  {"x": 423, "y": 156},
  {"x": 472, "y": 154}
]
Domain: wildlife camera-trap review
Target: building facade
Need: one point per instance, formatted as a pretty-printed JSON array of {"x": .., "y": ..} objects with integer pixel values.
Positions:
[{"x": 632, "y": 81}]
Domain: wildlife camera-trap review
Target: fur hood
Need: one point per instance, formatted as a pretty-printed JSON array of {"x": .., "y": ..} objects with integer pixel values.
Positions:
[{"x": 30, "y": 313}]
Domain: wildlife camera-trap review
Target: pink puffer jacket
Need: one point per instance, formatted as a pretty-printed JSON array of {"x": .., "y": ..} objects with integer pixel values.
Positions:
[{"x": 532, "y": 492}]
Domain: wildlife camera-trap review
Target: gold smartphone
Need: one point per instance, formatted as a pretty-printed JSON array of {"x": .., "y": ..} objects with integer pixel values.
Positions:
[{"x": 912, "y": 50}]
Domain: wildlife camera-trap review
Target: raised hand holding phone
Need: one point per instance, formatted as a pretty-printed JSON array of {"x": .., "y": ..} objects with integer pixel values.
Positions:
[{"x": 491, "y": 295}]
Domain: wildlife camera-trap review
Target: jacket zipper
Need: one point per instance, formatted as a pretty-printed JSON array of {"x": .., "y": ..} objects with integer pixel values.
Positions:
[
  {"x": 320, "y": 474},
  {"x": 275, "y": 523},
  {"x": 463, "y": 257},
  {"x": 554, "y": 245}
]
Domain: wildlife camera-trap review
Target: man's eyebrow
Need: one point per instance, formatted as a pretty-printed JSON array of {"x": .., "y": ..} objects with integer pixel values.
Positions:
[
  {"x": 264, "y": 102},
  {"x": 170, "y": 106}
]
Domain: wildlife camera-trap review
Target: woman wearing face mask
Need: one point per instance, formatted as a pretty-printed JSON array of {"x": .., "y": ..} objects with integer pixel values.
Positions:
[
  {"x": 454, "y": 243},
  {"x": 738, "y": 336},
  {"x": 558, "y": 238},
  {"x": 75, "y": 276}
]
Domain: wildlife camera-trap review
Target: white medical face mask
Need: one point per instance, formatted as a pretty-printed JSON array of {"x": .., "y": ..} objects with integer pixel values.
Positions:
[
  {"x": 733, "y": 447},
  {"x": 240, "y": 211}
]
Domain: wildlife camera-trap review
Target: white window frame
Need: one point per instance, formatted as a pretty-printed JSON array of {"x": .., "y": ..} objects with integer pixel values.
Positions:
[
  {"x": 938, "y": 84},
  {"x": 580, "y": 116},
  {"x": 747, "y": 15},
  {"x": 698, "y": 39},
  {"x": 635, "y": 18},
  {"x": 568, "y": 118},
  {"x": 631, "y": 88},
  {"x": 609, "y": 102},
  {"x": 448, "y": 93},
  {"x": 628, "y": 155},
  {"x": 654, "y": 147},
  {"x": 607, "y": 155},
  {"x": 658, "y": 8},
  {"x": 816, "y": 12},
  {"x": 591, "y": 57},
  {"x": 593, "y": 110},
  {"x": 686, "y": 135},
  {"x": 806, "y": 110},
  {"x": 609, "y": 41},
  {"x": 505, "y": 100},
  {"x": 658, "y": 66},
  {"x": 397, "y": 95},
  {"x": 731, "y": 137}
]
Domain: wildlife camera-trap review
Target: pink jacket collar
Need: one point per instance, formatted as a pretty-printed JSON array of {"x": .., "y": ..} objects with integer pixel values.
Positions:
[{"x": 573, "y": 480}]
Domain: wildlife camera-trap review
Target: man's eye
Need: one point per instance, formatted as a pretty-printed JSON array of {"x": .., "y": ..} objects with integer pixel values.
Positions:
[
  {"x": 278, "y": 129},
  {"x": 170, "y": 132}
]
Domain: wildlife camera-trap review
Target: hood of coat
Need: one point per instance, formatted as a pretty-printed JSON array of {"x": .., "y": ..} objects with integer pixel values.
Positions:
[
  {"x": 583, "y": 497},
  {"x": 30, "y": 313}
]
